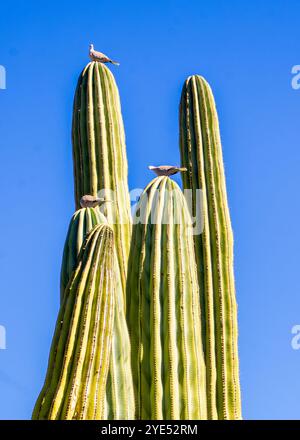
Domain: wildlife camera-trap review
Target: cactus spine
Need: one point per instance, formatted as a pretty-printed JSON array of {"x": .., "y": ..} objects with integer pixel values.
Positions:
[
  {"x": 99, "y": 152},
  {"x": 201, "y": 154},
  {"x": 79, "y": 359},
  {"x": 163, "y": 308},
  {"x": 119, "y": 389}
]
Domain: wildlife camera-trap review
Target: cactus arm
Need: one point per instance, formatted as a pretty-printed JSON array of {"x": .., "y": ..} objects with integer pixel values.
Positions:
[
  {"x": 99, "y": 152},
  {"x": 85, "y": 345},
  {"x": 190, "y": 134},
  {"x": 119, "y": 402},
  {"x": 167, "y": 358},
  {"x": 201, "y": 154},
  {"x": 83, "y": 335}
]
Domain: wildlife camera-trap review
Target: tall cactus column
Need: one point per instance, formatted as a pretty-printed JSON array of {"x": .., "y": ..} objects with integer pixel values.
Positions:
[
  {"x": 201, "y": 154},
  {"x": 75, "y": 385},
  {"x": 119, "y": 402},
  {"x": 82, "y": 222},
  {"x": 99, "y": 152},
  {"x": 163, "y": 308}
]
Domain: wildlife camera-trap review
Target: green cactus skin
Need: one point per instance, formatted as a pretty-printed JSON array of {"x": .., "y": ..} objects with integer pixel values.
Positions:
[
  {"x": 79, "y": 359},
  {"x": 119, "y": 390},
  {"x": 163, "y": 309},
  {"x": 82, "y": 222},
  {"x": 99, "y": 152},
  {"x": 201, "y": 154}
]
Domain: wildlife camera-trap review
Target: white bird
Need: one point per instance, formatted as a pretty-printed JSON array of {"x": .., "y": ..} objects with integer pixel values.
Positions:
[
  {"x": 100, "y": 57},
  {"x": 89, "y": 201},
  {"x": 166, "y": 170}
]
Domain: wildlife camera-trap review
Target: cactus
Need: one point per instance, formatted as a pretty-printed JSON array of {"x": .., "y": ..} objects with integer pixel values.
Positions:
[
  {"x": 119, "y": 391},
  {"x": 201, "y": 154},
  {"x": 99, "y": 152},
  {"x": 163, "y": 308},
  {"x": 79, "y": 359}
]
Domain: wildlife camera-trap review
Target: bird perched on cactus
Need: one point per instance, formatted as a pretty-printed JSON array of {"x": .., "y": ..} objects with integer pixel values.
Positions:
[
  {"x": 100, "y": 57},
  {"x": 166, "y": 170},
  {"x": 89, "y": 201}
]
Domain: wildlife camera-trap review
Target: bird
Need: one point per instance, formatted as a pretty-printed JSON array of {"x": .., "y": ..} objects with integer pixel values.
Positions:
[
  {"x": 166, "y": 170},
  {"x": 89, "y": 201},
  {"x": 100, "y": 57}
]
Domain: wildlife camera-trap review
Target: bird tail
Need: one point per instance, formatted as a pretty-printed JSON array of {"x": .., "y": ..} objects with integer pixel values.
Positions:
[{"x": 114, "y": 62}]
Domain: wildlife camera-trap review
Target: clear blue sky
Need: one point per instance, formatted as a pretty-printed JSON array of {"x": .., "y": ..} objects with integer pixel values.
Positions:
[{"x": 246, "y": 51}]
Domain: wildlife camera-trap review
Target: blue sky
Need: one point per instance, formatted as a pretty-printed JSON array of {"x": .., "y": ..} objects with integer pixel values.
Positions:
[{"x": 246, "y": 51}]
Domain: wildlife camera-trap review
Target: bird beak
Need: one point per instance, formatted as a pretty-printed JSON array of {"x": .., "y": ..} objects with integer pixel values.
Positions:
[{"x": 150, "y": 167}]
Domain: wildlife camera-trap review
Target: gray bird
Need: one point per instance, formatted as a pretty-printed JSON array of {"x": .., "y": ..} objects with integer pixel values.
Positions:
[
  {"x": 100, "y": 57},
  {"x": 89, "y": 201},
  {"x": 166, "y": 170}
]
